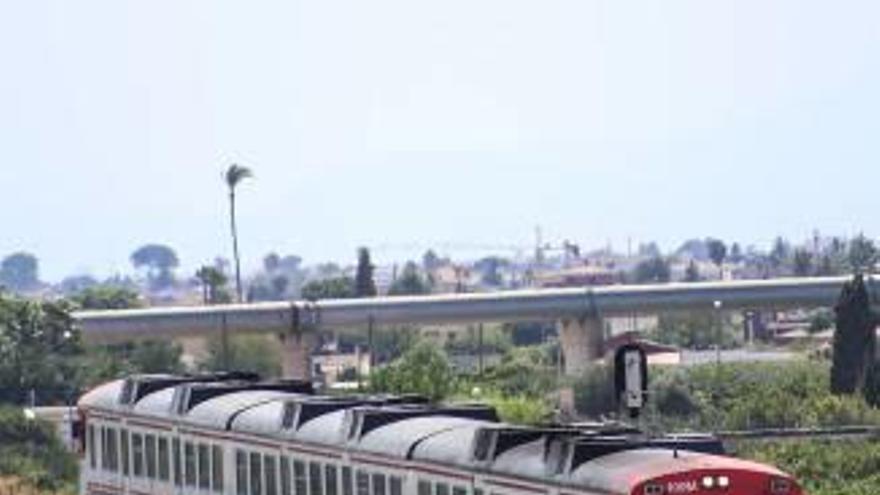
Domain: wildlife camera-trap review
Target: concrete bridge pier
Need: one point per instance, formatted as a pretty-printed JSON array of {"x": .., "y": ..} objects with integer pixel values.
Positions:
[
  {"x": 582, "y": 341},
  {"x": 295, "y": 354}
]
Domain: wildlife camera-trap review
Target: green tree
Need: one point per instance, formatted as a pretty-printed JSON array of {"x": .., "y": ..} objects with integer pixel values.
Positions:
[
  {"x": 213, "y": 282},
  {"x": 594, "y": 392},
  {"x": 410, "y": 282},
  {"x": 39, "y": 350},
  {"x": 108, "y": 361},
  {"x": 31, "y": 450},
  {"x": 160, "y": 262},
  {"x": 862, "y": 254},
  {"x": 692, "y": 330},
  {"x": 364, "y": 285},
  {"x": 233, "y": 177},
  {"x": 107, "y": 297},
  {"x": 523, "y": 371},
  {"x": 736, "y": 254},
  {"x": 780, "y": 252},
  {"x": 854, "y": 339},
  {"x": 329, "y": 288},
  {"x": 19, "y": 271},
  {"x": 431, "y": 261},
  {"x": 692, "y": 273},
  {"x": 490, "y": 267},
  {"x": 255, "y": 353},
  {"x": 424, "y": 370},
  {"x": 717, "y": 253},
  {"x": 77, "y": 283},
  {"x": 652, "y": 270},
  {"x": 803, "y": 262}
]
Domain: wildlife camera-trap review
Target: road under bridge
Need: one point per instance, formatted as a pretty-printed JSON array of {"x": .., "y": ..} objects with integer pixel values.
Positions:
[{"x": 578, "y": 312}]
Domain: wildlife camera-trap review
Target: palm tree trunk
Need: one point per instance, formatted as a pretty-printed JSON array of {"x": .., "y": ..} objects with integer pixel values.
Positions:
[{"x": 235, "y": 243}]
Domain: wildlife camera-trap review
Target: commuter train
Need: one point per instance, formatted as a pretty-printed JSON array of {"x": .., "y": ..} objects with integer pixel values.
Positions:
[{"x": 231, "y": 434}]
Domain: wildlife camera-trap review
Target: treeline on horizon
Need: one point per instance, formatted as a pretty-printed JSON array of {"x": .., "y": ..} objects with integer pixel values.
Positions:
[{"x": 156, "y": 267}]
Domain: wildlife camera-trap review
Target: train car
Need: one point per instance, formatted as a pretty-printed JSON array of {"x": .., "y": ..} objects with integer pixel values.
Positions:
[{"x": 235, "y": 435}]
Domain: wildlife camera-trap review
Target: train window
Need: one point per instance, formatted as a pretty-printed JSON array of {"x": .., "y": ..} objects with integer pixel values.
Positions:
[
  {"x": 241, "y": 471},
  {"x": 362, "y": 480},
  {"x": 256, "y": 474},
  {"x": 204, "y": 467},
  {"x": 112, "y": 450},
  {"x": 175, "y": 454},
  {"x": 271, "y": 469},
  {"x": 299, "y": 478},
  {"x": 478, "y": 491},
  {"x": 93, "y": 460},
  {"x": 424, "y": 487},
  {"x": 163, "y": 459},
  {"x": 441, "y": 489},
  {"x": 346, "y": 481},
  {"x": 150, "y": 449},
  {"x": 315, "y": 479},
  {"x": 285, "y": 475},
  {"x": 396, "y": 485},
  {"x": 378, "y": 484},
  {"x": 189, "y": 464},
  {"x": 330, "y": 480},
  {"x": 105, "y": 464},
  {"x": 459, "y": 490},
  {"x": 217, "y": 468},
  {"x": 123, "y": 444},
  {"x": 137, "y": 448}
]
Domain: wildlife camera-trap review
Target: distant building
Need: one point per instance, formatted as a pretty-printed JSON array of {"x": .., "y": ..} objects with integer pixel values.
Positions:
[
  {"x": 333, "y": 363},
  {"x": 577, "y": 276}
]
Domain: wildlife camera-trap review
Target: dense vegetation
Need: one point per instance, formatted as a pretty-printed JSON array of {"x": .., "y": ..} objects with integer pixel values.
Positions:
[
  {"x": 734, "y": 397},
  {"x": 31, "y": 451},
  {"x": 824, "y": 467}
]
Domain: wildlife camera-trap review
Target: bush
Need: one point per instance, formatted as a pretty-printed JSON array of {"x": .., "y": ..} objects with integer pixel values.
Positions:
[
  {"x": 521, "y": 410},
  {"x": 523, "y": 371},
  {"x": 30, "y": 450},
  {"x": 755, "y": 395},
  {"x": 594, "y": 392},
  {"x": 424, "y": 370},
  {"x": 824, "y": 467}
]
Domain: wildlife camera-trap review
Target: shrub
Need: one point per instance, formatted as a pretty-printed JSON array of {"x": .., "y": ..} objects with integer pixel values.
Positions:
[
  {"x": 754, "y": 395},
  {"x": 30, "y": 450},
  {"x": 424, "y": 369},
  {"x": 523, "y": 371},
  {"x": 520, "y": 409},
  {"x": 824, "y": 467},
  {"x": 594, "y": 392}
]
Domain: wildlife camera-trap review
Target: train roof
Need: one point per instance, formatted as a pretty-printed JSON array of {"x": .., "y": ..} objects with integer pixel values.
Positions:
[
  {"x": 220, "y": 412},
  {"x": 468, "y": 436},
  {"x": 411, "y": 438}
]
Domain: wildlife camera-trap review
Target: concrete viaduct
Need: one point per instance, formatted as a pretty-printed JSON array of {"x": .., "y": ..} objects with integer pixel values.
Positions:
[{"x": 577, "y": 311}]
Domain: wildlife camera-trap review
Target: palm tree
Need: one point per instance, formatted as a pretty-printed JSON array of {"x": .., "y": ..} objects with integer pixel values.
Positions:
[{"x": 235, "y": 174}]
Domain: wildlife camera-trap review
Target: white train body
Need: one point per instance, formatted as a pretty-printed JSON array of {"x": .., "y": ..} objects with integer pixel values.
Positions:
[{"x": 158, "y": 435}]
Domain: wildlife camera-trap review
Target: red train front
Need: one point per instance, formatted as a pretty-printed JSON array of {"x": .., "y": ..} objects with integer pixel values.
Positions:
[{"x": 670, "y": 472}]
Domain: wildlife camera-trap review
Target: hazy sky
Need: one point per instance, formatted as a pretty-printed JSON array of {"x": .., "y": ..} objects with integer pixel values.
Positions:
[{"x": 389, "y": 123}]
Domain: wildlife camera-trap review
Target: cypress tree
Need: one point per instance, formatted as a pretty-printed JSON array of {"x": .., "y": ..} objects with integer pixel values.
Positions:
[
  {"x": 364, "y": 285},
  {"x": 854, "y": 339}
]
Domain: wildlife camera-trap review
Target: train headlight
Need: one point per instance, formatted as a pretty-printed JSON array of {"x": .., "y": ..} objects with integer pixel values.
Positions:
[
  {"x": 708, "y": 482},
  {"x": 653, "y": 489},
  {"x": 723, "y": 482}
]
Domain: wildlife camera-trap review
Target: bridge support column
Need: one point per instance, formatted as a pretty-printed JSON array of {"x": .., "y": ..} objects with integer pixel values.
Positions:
[
  {"x": 296, "y": 349},
  {"x": 582, "y": 342}
]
